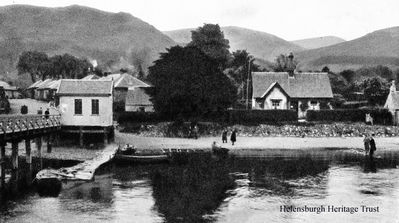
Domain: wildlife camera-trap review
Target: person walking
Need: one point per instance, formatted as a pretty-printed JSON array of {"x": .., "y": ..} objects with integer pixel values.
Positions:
[
  {"x": 366, "y": 142},
  {"x": 224, "y": 136},
  {"x": 373, "y": 148},
  {"x": 233, "y": 137}
]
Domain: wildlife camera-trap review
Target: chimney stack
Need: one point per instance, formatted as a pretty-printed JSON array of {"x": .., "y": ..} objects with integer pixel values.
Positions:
[
  {"x": 291, "y": 65},
  {"x": 393, "y": 86}
]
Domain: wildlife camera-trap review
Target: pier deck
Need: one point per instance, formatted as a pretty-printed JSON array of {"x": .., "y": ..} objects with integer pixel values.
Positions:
[{"x": 82, "y": 171}]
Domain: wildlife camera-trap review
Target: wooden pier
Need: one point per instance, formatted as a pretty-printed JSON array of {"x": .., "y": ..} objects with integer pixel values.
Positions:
[
  {"x": 28, "y": 128},
  {"x": 81, "y": 172}
]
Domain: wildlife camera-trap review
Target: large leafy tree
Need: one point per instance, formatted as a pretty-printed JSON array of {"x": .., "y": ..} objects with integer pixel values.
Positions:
[
  {"x": 210, "y": 40},
  {"x": 282, "y": 63},
  {"x": 32, "y": 62},
  {"x": 376, "y": 90},
  {"x": 189, "y": 83},
  {"x": 40, "y": 66},
  {"x": 240, "y": 66}
]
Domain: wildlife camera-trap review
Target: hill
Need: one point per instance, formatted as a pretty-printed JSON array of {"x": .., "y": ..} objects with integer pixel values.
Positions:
[
  {"x": 81, "y": 31},
  {"x": 318, "y": 42},
  {"x": 260, "y": 44},
  {"x": 377, "y": 48}
]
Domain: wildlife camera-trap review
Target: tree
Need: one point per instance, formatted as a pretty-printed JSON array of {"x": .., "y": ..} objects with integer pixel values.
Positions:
[
  {"x": 283, "y": 64},
  {"x": 325, "y": 69},
  {"x": 238, "y": 70},
  {"x": 188, "y": 83},
  {"x": 210, "y": 40},
  {"x": 376, "y": 90},
  {"x": 349, "y": 75},
  {"x": 32, "y": 62}
]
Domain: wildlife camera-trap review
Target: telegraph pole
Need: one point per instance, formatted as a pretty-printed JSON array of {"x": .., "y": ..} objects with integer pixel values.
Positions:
[{"x": 249, "y": 73}]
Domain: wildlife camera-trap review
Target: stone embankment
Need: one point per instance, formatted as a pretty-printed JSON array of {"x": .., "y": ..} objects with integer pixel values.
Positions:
[{"x": 166, "y": 129}]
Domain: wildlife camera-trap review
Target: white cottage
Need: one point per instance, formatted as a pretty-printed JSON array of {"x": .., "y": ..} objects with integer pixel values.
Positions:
[
  {"x": 85, "y": 103},
  {"x": 289, "y": 90},
  {"x": 392, "y": 103}
]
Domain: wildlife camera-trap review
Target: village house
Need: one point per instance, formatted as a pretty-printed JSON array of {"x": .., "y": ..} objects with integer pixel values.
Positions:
[
  {"x": 138, "y": 100},
  {"x": 392, "y": 103},
  {"x": 30, "y": 91},
  {"x": 86, "y": 106},
  {"x": 46, "y": 90},
  {"x": 10, "y": 91},
  {"x": 122, "y": 82},
  {"x": 290, "y": 90}
]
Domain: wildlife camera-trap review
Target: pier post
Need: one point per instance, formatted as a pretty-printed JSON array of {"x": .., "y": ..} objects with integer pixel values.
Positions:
[
  {"x": 105, "y": 135},
  {"x": 14, "y": 155},
  {"x": 2, "y": 163},
  {"x": 28, "y": 151},
  {"x": 39, "y": 150},
  {"x": 81, "y": 136},
  {"x": 49, "y": 144}
]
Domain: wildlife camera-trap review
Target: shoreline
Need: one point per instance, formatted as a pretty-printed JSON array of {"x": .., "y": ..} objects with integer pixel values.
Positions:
[{"x": 245, "y": 145}]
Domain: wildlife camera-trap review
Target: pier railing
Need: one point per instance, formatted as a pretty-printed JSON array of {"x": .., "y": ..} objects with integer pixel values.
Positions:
[{"x": 21, "y": 123}]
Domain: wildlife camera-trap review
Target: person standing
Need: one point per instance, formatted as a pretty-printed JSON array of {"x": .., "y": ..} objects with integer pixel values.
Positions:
[
  {"x": 224, "y": 136},
  {"x": 373, "y": 148},
  {"x": 47, "y": 113},
  {"x": 233, "y": 137},
  {"x": 40, "y": 111},
  {"x": 366, "y": 142}
]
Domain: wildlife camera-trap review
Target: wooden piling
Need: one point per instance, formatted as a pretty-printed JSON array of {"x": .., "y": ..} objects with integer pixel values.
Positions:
[
  {"x": 2, "y": 164},
  {"x": 28, "y": 151},
  {"x": 81, "y": 136},
  {"x": 39, "y": 150},
  {"x": 105, "y": 135},
  {"x": 49, "y": 144},
  {"x": 14, "y": 155}
]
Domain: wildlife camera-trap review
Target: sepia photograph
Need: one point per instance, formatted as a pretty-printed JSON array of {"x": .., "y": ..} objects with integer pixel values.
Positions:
[{"x": 184, "y": 111}]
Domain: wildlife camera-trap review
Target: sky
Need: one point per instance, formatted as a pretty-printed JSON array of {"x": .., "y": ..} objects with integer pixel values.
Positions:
[{"x": 288, "y": 19}]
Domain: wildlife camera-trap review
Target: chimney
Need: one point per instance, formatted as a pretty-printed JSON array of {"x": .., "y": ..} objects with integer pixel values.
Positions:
[
  {"x": 291, "y": 65},
  {"x": 393, "y": 86}
]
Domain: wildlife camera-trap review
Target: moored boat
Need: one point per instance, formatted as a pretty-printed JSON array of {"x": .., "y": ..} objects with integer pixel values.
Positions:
[{"x": 129, "y": 154}]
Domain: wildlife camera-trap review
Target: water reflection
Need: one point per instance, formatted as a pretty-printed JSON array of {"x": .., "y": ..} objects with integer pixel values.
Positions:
[{"x": 236, "y": 189}]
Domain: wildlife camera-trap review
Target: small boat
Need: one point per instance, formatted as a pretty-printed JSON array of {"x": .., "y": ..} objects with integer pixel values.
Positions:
[
  {"x": 128, "y": 154},
  {"x": 218, "y": 150}
]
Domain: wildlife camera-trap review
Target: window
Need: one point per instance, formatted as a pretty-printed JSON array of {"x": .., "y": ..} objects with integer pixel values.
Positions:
[
  {"x": 78, "y": 106},
  {"x": 313, "y": 104},
  {"x": 94, "y": 107},
  {"x": 275, "y": 103}
]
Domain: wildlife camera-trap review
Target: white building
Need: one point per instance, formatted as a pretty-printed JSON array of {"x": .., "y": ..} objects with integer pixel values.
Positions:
[{"x": 85, "y": 103}]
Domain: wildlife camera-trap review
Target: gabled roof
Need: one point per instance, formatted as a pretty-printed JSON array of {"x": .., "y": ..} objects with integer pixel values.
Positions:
[
  {"x": 43, "y": 85},
  {"x": 6, "y": 86},
  {"x": 393, "y": 104},
  {"x": 274, "y": 85},
  {"x": 303, "y": 85},
  {"x": 138, "y": 96},
  {"x": 125, "y": 81},
  {"x": 34, "y": 85},
  {"x": 85, "y": 88}
]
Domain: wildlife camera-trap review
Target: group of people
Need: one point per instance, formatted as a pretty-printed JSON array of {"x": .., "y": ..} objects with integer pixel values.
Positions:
[
  {"x": 369, "y": 145},
  {"x": 46, "y": 113},
  {"x": 233, "y": 136}
]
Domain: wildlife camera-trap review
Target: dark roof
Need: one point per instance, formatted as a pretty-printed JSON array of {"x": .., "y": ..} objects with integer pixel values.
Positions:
[
  {"x": 125, "y": 81},
  {"x": 303, "y": 85},
  {"x": 138, "y": 96},
  {"x": 85, "y": 87}
]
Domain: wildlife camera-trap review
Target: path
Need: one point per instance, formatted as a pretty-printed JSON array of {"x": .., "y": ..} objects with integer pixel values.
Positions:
[{"x": 250, "y": 143}]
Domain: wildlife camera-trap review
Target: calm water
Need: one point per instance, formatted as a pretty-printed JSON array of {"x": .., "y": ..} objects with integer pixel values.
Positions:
[{"x": 238, "y": 189}]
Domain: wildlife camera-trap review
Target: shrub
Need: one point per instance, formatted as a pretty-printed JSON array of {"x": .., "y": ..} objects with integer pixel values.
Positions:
[
  {"x": 380, "y": 116},
  {"x": 261, "y": 116},
  {"x": 24, "y": 109},
  {"x": 124, "y": 117}
]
